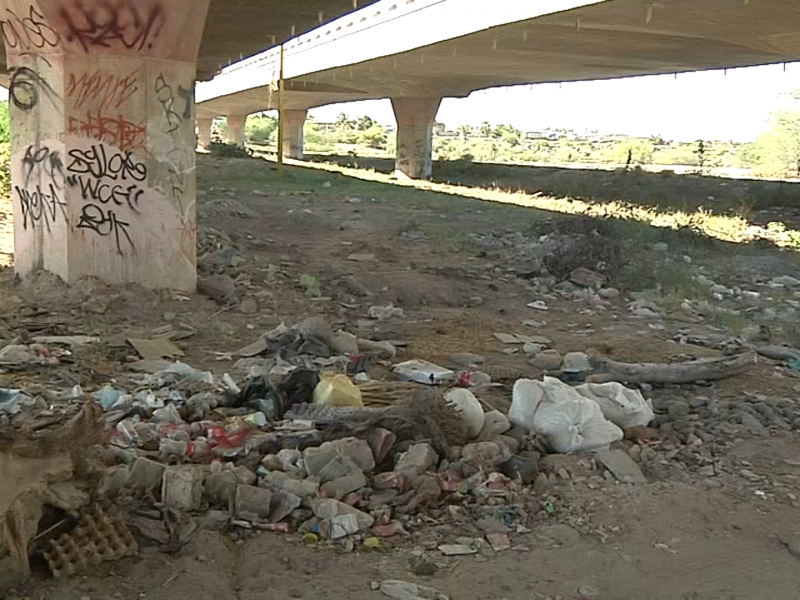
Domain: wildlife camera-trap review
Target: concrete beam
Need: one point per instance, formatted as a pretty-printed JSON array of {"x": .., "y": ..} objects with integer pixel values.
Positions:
[
  {"x": 293, "y": 122},
  {"x": 103, "y": 139},
  {"x": 236, "y": 125},
  {"x": 415, "y": 119}
]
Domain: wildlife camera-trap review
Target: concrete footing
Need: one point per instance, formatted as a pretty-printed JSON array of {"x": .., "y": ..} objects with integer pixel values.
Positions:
[
  {"x": 415, "y": 119},
  {"x": 236, "y": 124},
  {"x": 293, "y": 122},
  {"x": 204, "y": 133}
]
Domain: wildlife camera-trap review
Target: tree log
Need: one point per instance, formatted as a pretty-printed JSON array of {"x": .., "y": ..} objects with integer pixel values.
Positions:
[{"x": 706, "y": 369}]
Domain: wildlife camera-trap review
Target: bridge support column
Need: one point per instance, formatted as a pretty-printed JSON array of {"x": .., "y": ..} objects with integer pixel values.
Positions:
[
  {"x": 293, "y": 122},
  {"x": 103, "y": 138},
  {"x": 236, "y": 125},
  {"x": 204, "y": 133},
  {"x": 415, "y": 119}
]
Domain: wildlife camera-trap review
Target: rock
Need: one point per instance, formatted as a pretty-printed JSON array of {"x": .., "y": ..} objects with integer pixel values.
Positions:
[
  {"x": 354, "y": 288},
  {"x": 215, "y": 520},
  {"x": 404, "y": 590},
  {"x": 469, "y": 408},
  {"x": 282, "y": 505},
  {"x": 182, "y": 487},
  {"x": 678, "y": 409},
  {"x": 339, "y": 527},
  {"x": 289, "y": 459},
  {"x": 340, "y": 466},
  {"x": 549, "y": 360},
  {"x": 499, "y": 541},
  {"x": 304, "y": 488},
  {"x": 456, "y": 549},
  {"x": 342, "y": 342},
  {"x": 538, "y": 305},
  {"x": 494, "y": 423},
  {"x": 316, "y": 458},
  {"x": 660, "y": 247},
  {"x": 525, "y": 468},
  {"x": 419, "y": 459},
  {"x": 220, "y": 488},
  {"x": 785, "y": 280},
  {"x": 586, "y": 278},
  {"x": 380, "y": 442},
  {"x": 362, "y": 257},
  {"x": 329, "y": 508},
  {"x": 532, "y": 349},
  {"x": 251, "y": 499},
  {"x": 608, "y": 293},
  {"x": 707, "y": 471},
  {"x": 491, "y": 525},
  {"x": 753, "y": 425},
  {"x": 219, "y": 288},
  {"x": 114, "y": 479},
  {"x": 97, "y": 306},
  {"x": 421, "y": 567},
  {"x": 466, "y": 359},
  {"x": 576, "y": 362},
  {"x": 484, "y": 454},
  {"x": 511, "y": 443},
  {"x": 145, "y": 474},
  {"x": 249, "y": 306},
  {"x": 542, "y": 484},
  {"x": 382, "y": 313},
  {"x": 339, "y": 488},
  {"x": 621, "y": 466}
]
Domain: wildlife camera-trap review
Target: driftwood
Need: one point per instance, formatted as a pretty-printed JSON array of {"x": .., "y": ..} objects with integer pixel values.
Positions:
[
  {"x": 707, "y": 369},
  {"x": 784, "y": 353}
]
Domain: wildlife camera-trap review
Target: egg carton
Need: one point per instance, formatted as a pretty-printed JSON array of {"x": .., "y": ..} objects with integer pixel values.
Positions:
[{"x": 100, "y": 536}]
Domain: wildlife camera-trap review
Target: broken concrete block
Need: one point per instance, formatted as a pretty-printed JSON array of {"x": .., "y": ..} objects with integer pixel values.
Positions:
[
  {"x": 381, "y": 441},
  {"x": 145, "y": 474},
  {"x": 316, "y": 458},
  {"x": 339, "y": 488},
  {"x": 525, "y": 468},
  {"x": 220, "y": 488},
  {"x": 244, "y": 475},
  {"x": 328, "y": 508},
  {"x": 182, "y": 487},
  {"x": 339, "y": 526},
  {"x": 621, "y": 466},
  {"x": 494, "y": 423},
  {"x": 299, "y": 487},
  {"x": 251, "y": 499},
  {"x": 114, "y": 479},
  {"x": 339, "y": 467},
  {"x": 418, "y": 459},
  {"x": 283, "y": 504},
  {"x": 215, "y": 520},
  {"x": 485, "y": 454}
]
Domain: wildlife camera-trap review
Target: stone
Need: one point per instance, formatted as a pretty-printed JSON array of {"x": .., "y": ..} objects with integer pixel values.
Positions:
[
  {"x": 421, "y": 567},
  {"x": 499, "y": 541},
  {"x": 484, "y": 454},
  {"x": 299, "y": 487},
  {"x": 608, "y": 293},
  {"x": 621, "y": 466},
  {"x": 466, "y": 359},
  {"x": 339, "y": 527},
  {"x": 215, "y": 520},
  {"x": 494, "y": 423},
  {"x": 753, "y": 425},
  {"x": 97, "y": 306},
  {"x": 182, "y": 487},
  {"x": 329, "y": 508},
  {"x": 542, "y": 484},
  {"x": 660, "y": 247},
  {"x": 678, "y": 409},
  {"x": 520, "y": 467},
  {"x": 532, "y": 349},
  {"x": 492, "y": 525},
  {"x": 316, "y": 458},
  {"x": 586, "y": 278},
  {"x": 549, "y": 360},
  {"x": 380, "y": 442},
  {"x": 468, "y": 408},
  {"x": 417, "y": 460},
  {"x": 786, "y": 281},
  {"x": 340, "y": 466},
  {"x": 362, "y": 257},
  {"x": 244, "y": 475},
  {"x": 249, "y": 306},
  {"x": 576, "y": 362},
  {"x": 114, "y": 479},
  {"x": 251, "y": 499},
  {"x": 511, "y": 443},
  {"x": 220, "y": 488},
  {"x": 339, "y": 488},
  {"x": 456, "y": 549},
  {"x": 538, "y": 305},
  {"x": 343, "y": 342},
  {"x": 382, "y": 313},
  {"x": 220, "y": 288},
  {"x": 282, "y": 505}
]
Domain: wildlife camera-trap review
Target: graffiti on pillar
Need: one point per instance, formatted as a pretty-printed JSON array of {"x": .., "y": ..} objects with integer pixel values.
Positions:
[
  {"x": 101, "y": 90},
  {"x": 29, "y": 32},
  {"x": 117, "y": 131},
  {"x": 173, "y": 115},
  {"x": 26, "y": 87},
  {"x": 112, "y": 24},
  {"x": 107, "y": 181},
  {"x": 40, "y": 206},
  {"x": 43, "y": 163}
]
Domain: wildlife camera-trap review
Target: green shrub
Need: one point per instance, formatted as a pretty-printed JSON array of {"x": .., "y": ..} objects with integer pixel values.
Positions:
[
  {"x": 261, "y": 129},
  {"x": 5, "y": 168},
  {"x": 222, "y": 150},
  {"x": 5, "y": 131}
]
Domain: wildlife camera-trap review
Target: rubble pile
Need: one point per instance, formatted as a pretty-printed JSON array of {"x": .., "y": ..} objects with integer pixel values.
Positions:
[{"x": 309, "y": 442}]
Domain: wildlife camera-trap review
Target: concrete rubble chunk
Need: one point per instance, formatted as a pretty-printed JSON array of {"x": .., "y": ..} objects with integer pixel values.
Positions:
[
  {"x": 182, "y": 487},
  {"x": 317, "y": 458},
  {"x": 251, "y": 499},
  {"x": 419, "y": 459},
  {"x": 381, "y": 441},
  {"x": 329, "y": 508},
  {"x": 299, "y": 487},
  {"x": 145, "y": 474},
  {"x": 220, "y": 488},
  {"x": 339, "y": 526},
  {"x": 283, "y": 504},
  {"x": 339, "y": 488},
  {"x": 339, "y": 467},
  {"x": 621, "y": 466}
]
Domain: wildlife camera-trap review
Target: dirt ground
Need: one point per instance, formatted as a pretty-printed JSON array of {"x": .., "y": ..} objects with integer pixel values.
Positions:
[{"x": 447, "y": 261}]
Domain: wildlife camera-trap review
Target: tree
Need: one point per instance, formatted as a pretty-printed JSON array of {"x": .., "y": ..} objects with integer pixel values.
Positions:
[
  {"x": 261, "y": 128},
  {"x": 344, "y": 123},
  {"x": 5, "y": 131},
  {"x": 364, "y": 123},
  {"x": 485, "y": 129},
  {"x": 374, "y": 137},
  {"x": 632, "y": 151},
  {"x": 464, "y": 131},
  {"x": 777, "y": 151}
]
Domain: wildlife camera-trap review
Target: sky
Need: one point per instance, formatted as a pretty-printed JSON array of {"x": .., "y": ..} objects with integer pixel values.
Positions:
[{"x": 710, "y": 105}]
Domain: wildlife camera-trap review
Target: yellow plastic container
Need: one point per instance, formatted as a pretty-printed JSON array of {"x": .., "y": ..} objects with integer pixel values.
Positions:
[{"x": 337, "y": 391}]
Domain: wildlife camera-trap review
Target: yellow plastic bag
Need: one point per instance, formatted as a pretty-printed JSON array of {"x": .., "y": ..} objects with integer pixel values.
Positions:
[{"x": 337, "y": 391}]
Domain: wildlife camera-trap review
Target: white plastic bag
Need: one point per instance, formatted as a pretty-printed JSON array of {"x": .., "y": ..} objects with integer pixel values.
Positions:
[
  {"x": 575, "y": 425},
  {"x": 470, "y": 409},
  {"x": 622, "y": 406},
  {"x": 527, "y": 395}
]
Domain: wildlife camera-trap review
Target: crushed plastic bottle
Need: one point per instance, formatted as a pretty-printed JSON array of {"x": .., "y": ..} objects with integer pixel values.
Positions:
[
  {"x": 169, "y": 414},
  {"x": 10, "y": 401},
  {"x": 107, "y": 396}
]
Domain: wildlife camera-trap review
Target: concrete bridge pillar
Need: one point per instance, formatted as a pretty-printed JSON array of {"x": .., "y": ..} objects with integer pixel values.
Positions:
[
  {"x": 101, "y": 101},
  {"x": 415, "y": 119},
  {"x": 204, "y": 133},
  {"x": 236, "y": 125},
  {"x": 293, "y": 122}
]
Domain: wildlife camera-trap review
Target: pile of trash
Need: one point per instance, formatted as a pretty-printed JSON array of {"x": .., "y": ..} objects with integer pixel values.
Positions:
[{"x": 309, "y": 442}]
